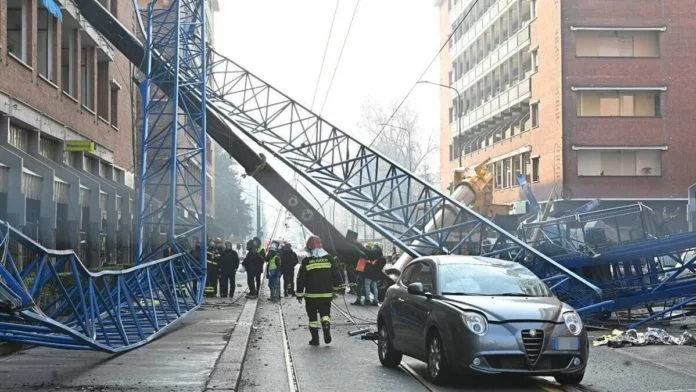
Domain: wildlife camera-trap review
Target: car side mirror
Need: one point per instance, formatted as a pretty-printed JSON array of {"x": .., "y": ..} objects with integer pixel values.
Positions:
[{"x": 416, "y": 288}]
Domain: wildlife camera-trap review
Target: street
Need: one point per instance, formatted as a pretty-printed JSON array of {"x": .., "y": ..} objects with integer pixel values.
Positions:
[
  {"x": 207, "y": 352},
  {"x": 351, "y": 364}
]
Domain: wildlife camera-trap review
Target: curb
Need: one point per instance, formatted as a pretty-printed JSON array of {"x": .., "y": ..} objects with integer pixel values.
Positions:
[
  {"x": 227, "y": 372},
  {"x": 9, "y": 348}
]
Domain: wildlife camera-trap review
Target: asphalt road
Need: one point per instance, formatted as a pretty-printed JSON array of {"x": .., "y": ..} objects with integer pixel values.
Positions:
[
  {"x": 348, "y": 364},
  {"x": 192, "y": 358}
]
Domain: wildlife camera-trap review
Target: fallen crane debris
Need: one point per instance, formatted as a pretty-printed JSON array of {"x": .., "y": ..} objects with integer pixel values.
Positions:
[{"x": 653, "y": 336}]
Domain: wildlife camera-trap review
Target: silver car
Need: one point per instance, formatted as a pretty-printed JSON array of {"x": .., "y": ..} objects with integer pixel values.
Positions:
[{"x": 470, "y": 314}]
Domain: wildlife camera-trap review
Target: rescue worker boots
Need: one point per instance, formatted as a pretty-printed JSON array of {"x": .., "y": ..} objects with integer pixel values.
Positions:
[
  {"x": 315, "y": 336},
  {"x": 326, "y": 327}
]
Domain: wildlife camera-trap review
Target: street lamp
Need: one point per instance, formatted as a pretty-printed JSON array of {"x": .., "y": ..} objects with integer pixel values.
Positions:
[{"x": 459, "y": 112}]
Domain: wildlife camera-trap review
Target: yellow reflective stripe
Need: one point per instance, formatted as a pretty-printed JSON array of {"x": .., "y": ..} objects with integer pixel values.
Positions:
[
  {"x": 326, "y": 319},
  {"x": 313, "y": 324},
  {"x": 318, "y": 266},
  {"x": 319, "y": 295},
  {"x": 299, "y": 295}
]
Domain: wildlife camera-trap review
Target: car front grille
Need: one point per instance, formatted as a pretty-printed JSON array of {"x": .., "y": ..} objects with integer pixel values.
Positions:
[
  {"x": 533, "y": 344},
  {"x": 518, "y": 362}
]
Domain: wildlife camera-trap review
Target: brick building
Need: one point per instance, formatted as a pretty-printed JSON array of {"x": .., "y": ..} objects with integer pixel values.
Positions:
[
  {"x": 590, "y": 97},
  {"x": 61, "y": 83}
]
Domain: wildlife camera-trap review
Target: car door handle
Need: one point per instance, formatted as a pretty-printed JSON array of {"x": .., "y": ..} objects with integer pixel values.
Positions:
[{"x": 401, "y": 299}]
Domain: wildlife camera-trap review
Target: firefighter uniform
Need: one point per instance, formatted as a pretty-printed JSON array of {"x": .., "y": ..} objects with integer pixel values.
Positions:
[
  {"x": 211, "y": 283},
  {"x": 317, "y": 280}
]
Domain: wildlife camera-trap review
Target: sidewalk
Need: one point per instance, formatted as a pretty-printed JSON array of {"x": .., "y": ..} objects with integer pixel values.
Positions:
[{"x": 203, "y": 353}]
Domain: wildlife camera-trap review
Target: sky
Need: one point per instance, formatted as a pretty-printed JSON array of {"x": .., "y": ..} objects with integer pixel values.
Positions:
[{"x": 390, "y": 44}]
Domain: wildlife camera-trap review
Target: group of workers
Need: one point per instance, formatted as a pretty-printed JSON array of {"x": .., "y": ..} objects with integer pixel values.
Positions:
[
  {"x": 223, "y": 262},
  {"x": 320, "y": 276}
]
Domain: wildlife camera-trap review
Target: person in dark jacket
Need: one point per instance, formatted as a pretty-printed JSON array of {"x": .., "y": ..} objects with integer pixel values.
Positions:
[
  {"x": 317, "y": 280},
  {"x": 288, "y": 262},
  {"x": 253, "y": 264},
  {"x": 229, "y": 263},
  {"x": 373, "y": 273}
]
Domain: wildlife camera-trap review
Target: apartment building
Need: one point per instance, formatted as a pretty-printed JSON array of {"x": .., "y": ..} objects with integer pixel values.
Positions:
[
  {"x": 591, "y": 98},
  {"x": 66, "y": 130}
]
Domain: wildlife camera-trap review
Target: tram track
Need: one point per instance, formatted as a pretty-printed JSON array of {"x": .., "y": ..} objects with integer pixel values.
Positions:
[
  {"x": 293, "y": 381},
  {"x": 403, "y": 366}
]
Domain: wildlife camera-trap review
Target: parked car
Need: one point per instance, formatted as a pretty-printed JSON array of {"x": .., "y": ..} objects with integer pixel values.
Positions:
[{"x": 470, "y": 314}]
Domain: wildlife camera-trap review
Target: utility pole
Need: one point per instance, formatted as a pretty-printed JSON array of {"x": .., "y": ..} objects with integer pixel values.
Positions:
[{"x": 258, "y": 212}]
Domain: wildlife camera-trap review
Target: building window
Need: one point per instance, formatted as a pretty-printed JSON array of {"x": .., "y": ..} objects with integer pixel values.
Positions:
[
  {"x": 17, "y": 29},
  {"x": 617, "y": 44},
  {"x": 18, "y": 137},
  {"x": 498, "y": 169},
  {"x": 113, "y": 7},
  {"x": 87, "y": 76},
  {"x": 618, "y": 103},
  {"x": 451, "y": 152},
  {"x": 46, "y": 43},
  {"x": 534, "y": 110},
  {"x": 535, "y": 169},
  {"x": 103, "y": 89},
  {"x": 48, "y": 148},
  {"x": 535, "y": 60},
  {"x": 114, "y": 105},
  {"x": 68, "y": 59},
  {"x": 533, "y": 8},
  {"x": 619, "y": 163}
]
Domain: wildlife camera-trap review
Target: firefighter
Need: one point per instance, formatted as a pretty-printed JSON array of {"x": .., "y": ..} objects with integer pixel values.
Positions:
[
  {"x": 317, "y": 280},
  {"x": 288, "y": 261},
  {"x": 213, "y": 264}
]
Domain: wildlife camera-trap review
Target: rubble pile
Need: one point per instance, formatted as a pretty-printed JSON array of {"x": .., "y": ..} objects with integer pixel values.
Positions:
[{"x": 653, "y": 336}]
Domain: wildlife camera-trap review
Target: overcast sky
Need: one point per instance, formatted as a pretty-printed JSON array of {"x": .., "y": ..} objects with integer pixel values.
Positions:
[{"x": 390, "y": 44}]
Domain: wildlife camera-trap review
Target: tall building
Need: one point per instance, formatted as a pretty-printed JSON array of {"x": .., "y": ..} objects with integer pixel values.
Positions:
[
  {"x": 588, "y": 97},
  {"x": 66, "y": 130}
]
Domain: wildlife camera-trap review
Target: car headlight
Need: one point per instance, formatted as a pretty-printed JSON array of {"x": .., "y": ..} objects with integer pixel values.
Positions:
[
  {"x": 476, "y": 322},
  {"x": 573, "y": 323}
]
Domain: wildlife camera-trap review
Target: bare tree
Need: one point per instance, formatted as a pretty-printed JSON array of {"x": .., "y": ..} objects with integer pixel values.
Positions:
[{"x": 401, "y": 139}]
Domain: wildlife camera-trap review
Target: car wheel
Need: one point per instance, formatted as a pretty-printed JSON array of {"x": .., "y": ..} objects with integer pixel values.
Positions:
[
  {"x": 388, "y": 356},
  {"x": 437, "y": 363},
  {"x": 569, "y": 379}
]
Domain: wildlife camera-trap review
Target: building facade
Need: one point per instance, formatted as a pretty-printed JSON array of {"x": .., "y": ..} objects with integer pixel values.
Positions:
[
  {"x": 66, "y": 130},
  {"x": 589, "y": 98}
]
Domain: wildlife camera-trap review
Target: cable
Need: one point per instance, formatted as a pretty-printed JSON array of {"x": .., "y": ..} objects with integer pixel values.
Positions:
[
  {"x": 326, "y": 49},
  {"x": 340, "y": 55},
  {"x": 449, "y": 38}
]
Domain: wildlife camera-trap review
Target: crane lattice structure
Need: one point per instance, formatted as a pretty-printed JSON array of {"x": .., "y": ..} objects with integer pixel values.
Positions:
[
  {"x": 190, "y": 87},
  {"x": 52, "y": 299}
]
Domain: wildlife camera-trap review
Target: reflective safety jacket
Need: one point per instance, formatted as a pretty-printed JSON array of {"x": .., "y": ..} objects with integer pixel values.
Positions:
[{"x": 319, "y": 277}]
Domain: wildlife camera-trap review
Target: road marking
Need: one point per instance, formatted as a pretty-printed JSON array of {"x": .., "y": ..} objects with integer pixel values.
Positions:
[
  {"x": 677, "y": 390},
  {"x": 549, "y": 388}
]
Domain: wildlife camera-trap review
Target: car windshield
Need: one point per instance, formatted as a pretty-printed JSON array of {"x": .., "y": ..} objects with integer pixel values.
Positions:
[{"x": 479, "y": 279}]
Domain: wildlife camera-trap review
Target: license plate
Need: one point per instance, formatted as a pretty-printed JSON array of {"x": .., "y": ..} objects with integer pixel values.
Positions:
[{"x": 566, "y": 343}]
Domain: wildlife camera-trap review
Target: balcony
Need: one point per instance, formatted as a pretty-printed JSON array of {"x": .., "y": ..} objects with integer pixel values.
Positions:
[
  {"x": 482, "y": 24},
  {"x": 503, "y": 52},
  {"x": 502, "y": 104}
]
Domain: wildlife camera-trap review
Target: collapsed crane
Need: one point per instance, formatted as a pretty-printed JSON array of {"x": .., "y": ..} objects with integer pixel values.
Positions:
[{"x": 119, "y": 311}]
